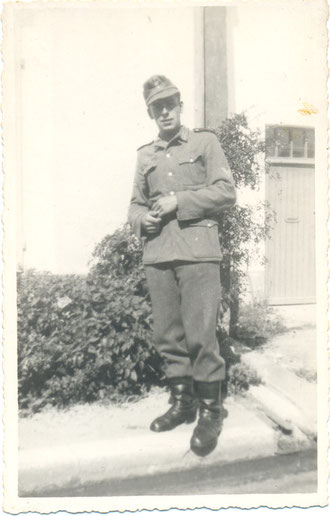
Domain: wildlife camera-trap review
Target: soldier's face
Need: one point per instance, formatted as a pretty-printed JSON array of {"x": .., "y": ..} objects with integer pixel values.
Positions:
[{"x": 167, "y": 115}]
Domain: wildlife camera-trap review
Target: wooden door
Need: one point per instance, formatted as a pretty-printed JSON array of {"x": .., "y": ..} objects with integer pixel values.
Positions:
[{"x": 290, "y": 252}]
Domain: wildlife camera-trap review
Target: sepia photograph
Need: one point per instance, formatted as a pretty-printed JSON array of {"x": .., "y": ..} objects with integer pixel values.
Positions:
[{"x": 165, "y": 254}]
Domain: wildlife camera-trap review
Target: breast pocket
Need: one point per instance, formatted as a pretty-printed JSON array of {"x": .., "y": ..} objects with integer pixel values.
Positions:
[{"x": 191, "y": 170}]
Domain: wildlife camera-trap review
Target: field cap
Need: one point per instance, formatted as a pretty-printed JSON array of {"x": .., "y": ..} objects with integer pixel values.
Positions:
[{"x": 158, "y": 87}]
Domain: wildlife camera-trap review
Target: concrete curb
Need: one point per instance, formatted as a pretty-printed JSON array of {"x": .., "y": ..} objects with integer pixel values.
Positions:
[
  {"x": 288, "y": 397},
  {"x": 142, "y": 453}
]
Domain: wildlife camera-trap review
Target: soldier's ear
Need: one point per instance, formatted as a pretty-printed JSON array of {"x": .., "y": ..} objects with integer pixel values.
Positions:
[
  {"x": 181, "y": 106},
  {"x": 150, "y": 113}
]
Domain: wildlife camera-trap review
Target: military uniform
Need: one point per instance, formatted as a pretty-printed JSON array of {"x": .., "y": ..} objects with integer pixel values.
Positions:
[
  {"x": 182, "y": 261},
  {"x": 181, "y": 257}
]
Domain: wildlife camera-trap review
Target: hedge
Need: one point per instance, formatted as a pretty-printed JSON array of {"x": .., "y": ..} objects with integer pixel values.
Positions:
[{"x": 81, "y": 340}]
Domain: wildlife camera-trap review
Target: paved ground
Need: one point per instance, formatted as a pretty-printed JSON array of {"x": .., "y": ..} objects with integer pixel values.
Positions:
[{"x": 89, "y": 445}]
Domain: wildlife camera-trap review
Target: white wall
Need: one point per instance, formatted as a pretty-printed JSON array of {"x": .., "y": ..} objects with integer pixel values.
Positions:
[{"x": 81, "y": 116}]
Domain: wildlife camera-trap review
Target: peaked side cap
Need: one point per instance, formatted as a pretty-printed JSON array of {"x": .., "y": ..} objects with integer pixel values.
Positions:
[{"x": 158, "y": 87}]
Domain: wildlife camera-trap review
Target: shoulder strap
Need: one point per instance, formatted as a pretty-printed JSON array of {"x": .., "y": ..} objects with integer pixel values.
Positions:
[
  {"x": 145, "y": 145},
  {"x": 203, "y": 129}
]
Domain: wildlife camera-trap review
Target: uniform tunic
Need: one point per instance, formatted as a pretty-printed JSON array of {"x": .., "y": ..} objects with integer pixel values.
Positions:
[{"x": 193, "y": 167}]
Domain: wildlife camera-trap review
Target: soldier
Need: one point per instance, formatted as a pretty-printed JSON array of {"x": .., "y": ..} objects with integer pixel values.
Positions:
[{"x": 182, "y": 181}]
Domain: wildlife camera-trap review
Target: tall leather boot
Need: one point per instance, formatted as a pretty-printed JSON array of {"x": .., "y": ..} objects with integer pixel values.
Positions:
[
  {"x": 205, "y": 436},
  {"x": 183, "y": 409}
]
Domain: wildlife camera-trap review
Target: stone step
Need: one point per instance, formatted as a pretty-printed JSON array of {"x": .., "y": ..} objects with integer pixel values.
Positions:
[
  {"x": 301, "y": 394},
  {"x": 282, "y": 411}
]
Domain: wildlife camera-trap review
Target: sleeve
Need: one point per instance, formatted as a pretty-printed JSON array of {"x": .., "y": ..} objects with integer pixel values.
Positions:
[
  {"x": 219, "y": 192},
  {"x": 139, "y": 204}
]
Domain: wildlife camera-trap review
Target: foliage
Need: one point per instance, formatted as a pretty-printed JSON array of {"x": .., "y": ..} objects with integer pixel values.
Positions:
[
  {"x": 242, "y": 227},
  {"x": 82, "y": 339},
  {"x": 257, "y": 323},
  {"x": 244, "y": 150},
  {"x": 119, "y": 254},
  {"x": 241, "y": 377}
]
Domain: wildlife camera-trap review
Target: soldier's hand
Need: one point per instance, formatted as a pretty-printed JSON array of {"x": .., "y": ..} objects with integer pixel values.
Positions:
[
  {"x": 151, "y": 222},
  {"x": 165, "y": 205}
]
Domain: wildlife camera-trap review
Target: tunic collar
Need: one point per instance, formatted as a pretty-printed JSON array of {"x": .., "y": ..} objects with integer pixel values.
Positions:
[{"x": 182, "y": 135}]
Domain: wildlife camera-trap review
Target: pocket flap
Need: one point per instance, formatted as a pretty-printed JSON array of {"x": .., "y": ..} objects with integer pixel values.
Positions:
[
  {"x": 206, "y": 223},
  {"x": 190, "y": 157},
  {"x": 148, "y": 167}
]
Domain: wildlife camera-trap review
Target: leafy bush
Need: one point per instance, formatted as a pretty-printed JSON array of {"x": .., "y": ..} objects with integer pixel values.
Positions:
[
  {"x": 257, "y": 323},
  {"x": 82, "y": 339},
  {"x": 241, "y": 377},
  {"x": 242, "y": 227},
  {"x": 244, "y": 150}
]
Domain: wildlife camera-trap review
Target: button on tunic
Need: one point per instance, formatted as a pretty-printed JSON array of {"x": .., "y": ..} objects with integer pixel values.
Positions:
[{"x": 193, "y": 167}]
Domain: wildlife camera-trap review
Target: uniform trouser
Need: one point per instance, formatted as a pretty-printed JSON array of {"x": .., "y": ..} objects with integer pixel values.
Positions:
[{"x": 185, "y": 299}]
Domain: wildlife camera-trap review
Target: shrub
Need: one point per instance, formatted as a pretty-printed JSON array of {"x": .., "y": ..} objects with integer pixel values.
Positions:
[
  {"x": 257, "y": 323},
  {"x": 240, "y": 379},
  {"x": 82, "y": 339},
  {"x": 242, "y": 227}
]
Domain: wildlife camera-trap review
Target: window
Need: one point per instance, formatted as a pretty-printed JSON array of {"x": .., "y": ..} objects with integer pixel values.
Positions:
[{"x": 289, "y": 142}]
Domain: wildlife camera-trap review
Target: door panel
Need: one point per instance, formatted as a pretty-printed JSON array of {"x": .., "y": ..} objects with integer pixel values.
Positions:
[{"x": 290, "y": 268}]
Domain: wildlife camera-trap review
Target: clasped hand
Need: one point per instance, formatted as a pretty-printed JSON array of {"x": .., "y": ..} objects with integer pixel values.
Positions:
[
  {"x": 151, "y": 222},
  {"x": 162, "y": 207},
  {"x": 165, "y": 205}
]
